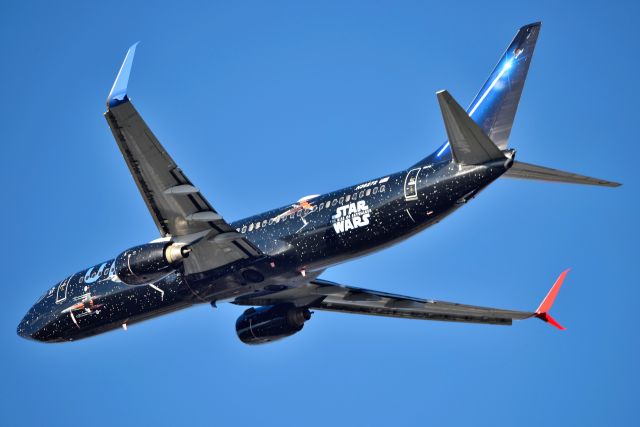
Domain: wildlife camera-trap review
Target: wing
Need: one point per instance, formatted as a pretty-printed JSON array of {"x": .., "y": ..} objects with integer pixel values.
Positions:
[
  {"x": 176, "y": 205},
  {"x": 324, "y": 295}
]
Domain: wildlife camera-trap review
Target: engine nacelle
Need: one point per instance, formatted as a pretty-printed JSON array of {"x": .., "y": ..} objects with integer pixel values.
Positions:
[
  {"x": 270, "y": 323},
  {"x": 147, "y": 263}
]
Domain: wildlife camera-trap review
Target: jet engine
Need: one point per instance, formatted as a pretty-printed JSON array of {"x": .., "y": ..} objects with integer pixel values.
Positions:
[
  {"x": 270, "y": 323},
  {"x": 147, "y": 263}
]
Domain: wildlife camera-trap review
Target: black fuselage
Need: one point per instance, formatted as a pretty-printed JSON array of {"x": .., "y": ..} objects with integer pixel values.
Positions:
[{"x": 322, "y": 231}]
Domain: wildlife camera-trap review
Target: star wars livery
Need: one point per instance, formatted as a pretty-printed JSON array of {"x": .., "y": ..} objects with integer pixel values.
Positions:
[{"x": 272, "y": 262}]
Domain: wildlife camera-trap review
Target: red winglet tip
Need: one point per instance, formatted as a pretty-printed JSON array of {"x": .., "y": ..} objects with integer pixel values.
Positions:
[
  {"x": 546, "y": 317},
  {"x": 542, "y": 312},
  {"x": 547, "y": 302}
]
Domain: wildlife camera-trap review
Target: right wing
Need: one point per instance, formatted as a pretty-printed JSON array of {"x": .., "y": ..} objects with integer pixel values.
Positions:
[
  {"x": 177, "y": 207},
  {"x": 324, "y": 295}
]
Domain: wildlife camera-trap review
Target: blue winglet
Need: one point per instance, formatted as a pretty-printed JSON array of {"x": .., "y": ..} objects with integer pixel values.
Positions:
[{"x": 118, "y": 94}]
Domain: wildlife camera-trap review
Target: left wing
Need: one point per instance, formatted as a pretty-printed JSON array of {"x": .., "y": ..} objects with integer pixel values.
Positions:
[
  {"x": 177, "y": 207},
  {"x": 324, "y": 295}
]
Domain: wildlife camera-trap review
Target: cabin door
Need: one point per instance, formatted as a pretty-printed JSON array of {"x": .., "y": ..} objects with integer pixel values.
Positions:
[{"x": 411, "y": 185}]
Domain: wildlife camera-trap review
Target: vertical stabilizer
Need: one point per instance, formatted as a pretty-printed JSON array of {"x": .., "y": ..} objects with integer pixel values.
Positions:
[{"x": 494, "y": 107}]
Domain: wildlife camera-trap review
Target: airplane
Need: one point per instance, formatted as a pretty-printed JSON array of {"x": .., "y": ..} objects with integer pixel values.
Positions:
[{"x": 271, "y": 262}]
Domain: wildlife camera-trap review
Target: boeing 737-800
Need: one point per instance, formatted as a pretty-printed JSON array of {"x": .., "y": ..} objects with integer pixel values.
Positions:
[{"x": 272, "y": 261}]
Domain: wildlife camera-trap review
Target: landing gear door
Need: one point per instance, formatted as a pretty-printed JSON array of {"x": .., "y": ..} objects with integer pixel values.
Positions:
[{"x": 411, "y": 185}]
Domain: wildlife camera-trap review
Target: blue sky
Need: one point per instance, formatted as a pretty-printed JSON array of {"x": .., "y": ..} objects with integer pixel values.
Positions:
[{"x": 264, "y": 102}]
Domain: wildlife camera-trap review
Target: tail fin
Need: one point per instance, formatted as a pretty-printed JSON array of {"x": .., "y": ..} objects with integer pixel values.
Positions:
[
  {"x": 494, "y": 107},
  {"x": 469, "y": 144},
  {"x": 528, "y": 171}
]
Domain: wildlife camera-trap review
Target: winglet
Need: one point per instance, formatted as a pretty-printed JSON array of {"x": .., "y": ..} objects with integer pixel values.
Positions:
[
  {"x": 118, "y": 94},
  {"x": 542, "y": 312}
]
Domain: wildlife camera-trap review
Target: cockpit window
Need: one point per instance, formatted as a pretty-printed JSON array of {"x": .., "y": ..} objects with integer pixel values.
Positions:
[{"x": 48, "y": 293}]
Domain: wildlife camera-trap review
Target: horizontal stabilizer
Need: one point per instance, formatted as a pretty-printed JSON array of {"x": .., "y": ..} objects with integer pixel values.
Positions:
[
  {"x": 469, "y": 144},
  {"x": 528, "y": 171}
]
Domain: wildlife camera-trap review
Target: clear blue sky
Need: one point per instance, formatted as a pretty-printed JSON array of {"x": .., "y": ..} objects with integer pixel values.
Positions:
[{"x": 265, "y": 102}]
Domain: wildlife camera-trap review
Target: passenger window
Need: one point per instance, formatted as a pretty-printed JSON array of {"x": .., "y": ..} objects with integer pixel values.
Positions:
[
  {"x": 238, "y": 229},
  {"x": 346, "y": 199},
  {"x": 335, "y": 202},
  {"x": 264, "y": 223},
  {"x": 299, "y": 213},
  {"x": 251, "y": 227},
  {"x": 341, "y": 200},
  {"x": 327, "y": 204},
  {"x": 368, "y": 192},
  {"x": 355, "y": 196},
  {"x": 257, "y": 225},
  {"x": 321, "y": 206},
  {"x": 382, "y": 188},
  {"x": 375, "y": 190},
  {"x": 244, "y": 229},
  {"x": 270, "y": 221},
  {"x": 361, "y": 195}
]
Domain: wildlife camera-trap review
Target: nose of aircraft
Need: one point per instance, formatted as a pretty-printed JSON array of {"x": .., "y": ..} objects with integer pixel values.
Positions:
[
  {"x": 33, "y": 325},
  {"x": 41, "y": 324},
  {"x": 26, "y": 329}
]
